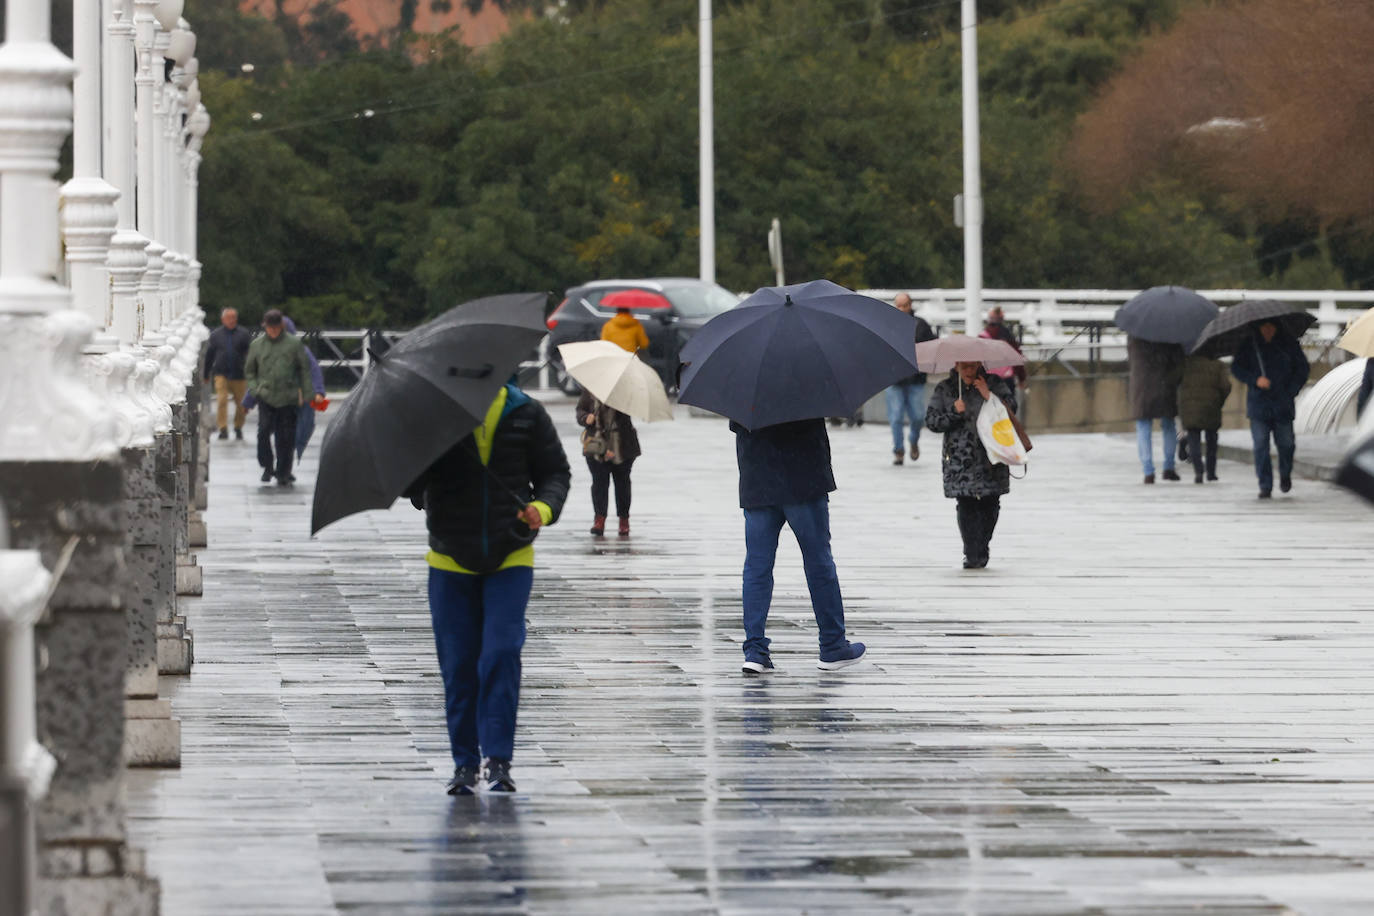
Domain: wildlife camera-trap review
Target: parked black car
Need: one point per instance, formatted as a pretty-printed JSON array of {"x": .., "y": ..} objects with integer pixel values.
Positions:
[{"x": 671, "y": 312}]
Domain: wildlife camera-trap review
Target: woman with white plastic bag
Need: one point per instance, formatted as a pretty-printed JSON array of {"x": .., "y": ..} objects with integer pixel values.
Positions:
[{"x": 971, "y": 478}]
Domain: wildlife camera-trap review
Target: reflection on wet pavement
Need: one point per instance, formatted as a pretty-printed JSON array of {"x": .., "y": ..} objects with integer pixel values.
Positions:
[{"x": 1134, "y": 710}]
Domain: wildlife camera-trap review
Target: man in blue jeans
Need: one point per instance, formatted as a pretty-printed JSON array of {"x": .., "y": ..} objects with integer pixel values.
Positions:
[
  {"x": 906, "y": 400},
  {"x": 1271, "y": 363},
  {"x": 785, "y": 477}
]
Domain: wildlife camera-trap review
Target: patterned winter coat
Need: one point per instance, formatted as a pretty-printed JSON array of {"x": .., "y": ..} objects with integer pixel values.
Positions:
[{"x": 967, "y": 470}]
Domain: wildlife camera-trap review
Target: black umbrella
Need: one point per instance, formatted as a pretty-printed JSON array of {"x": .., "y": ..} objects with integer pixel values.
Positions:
[
  {"x": 1225, "y": 333},
  {"x": 796, "y": 352},
  {"x": 418, "y": 399},
  {"x": 1166, "y": 314}
]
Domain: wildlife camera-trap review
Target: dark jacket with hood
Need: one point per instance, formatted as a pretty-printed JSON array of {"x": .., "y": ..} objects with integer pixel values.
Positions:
[
  {"x": 923, "y": 333},
  {"x": 967, "y": 469},
  {"x": 1156, "y": 369},
  {"x": 1282, "y": 361},
  {"x": 472, "y": 511},
  {"x": 782, "y": 464}
]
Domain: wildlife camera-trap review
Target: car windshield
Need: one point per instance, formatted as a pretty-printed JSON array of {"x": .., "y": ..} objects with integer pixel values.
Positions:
[{"x": 700, "y": 300}]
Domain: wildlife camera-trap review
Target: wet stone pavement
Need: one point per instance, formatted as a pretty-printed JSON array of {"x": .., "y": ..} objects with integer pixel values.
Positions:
[{"x": 1156, "y": 700}]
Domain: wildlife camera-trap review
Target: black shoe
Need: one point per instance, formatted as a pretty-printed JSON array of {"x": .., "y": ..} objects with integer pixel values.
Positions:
[
  {"x": 223, "y": 433},
  {"x": 238, "y": 434},
  {"x": 1285, "y": 484},
  {"x": 1170, "y": 474},
  {"x": 896, "y": 457},
  {"x": 1266, "y": 494},
  {"x": 267, "y": 476},
  {"x": 1197, "y": 478},
  {"x": 1211, "y": 477},
  {"x": 497, "y": 776},
  {"x": 464, "y": 781},
  {"x": 915, "y": 451},
  {"x": 1149, "y": 478},
  {"x": 286, "y": 480}
]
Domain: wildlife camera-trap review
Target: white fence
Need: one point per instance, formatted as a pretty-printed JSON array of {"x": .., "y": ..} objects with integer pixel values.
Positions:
[
  {"x": 1076, "y": 324},
  {"x": 1065, "y": 325}
]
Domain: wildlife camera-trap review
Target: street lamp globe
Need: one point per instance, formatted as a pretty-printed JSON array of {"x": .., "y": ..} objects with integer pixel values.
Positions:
[
  {"x": 168, "y": 12},
  {"x": 181, "y": 45}
]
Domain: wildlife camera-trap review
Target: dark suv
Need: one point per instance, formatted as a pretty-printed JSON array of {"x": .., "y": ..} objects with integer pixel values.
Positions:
[{"x": 671, "y": 312}]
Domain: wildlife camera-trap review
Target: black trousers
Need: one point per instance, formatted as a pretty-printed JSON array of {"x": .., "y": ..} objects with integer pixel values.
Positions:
[
  {"x": 277, "y": 425},
  {"x": 603, "y": 472},
  {"x": 1195, "y": 452},
  {"x": 977, "y": 517}
]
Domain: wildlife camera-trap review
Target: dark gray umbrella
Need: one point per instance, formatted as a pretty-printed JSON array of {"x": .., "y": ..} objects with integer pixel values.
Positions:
[
  {"x": 1225, "y": 333},
  {"x": 423, "y": 395},
  {"x": 1166, "y": 314},
  {"x": 796, "y": 352}
]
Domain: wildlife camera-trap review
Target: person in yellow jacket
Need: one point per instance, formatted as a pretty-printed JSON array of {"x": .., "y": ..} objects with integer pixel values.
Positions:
[{"x": 624, "y": 330}]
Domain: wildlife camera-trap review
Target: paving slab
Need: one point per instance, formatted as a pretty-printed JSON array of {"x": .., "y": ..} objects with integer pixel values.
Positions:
[{"x": 1156, "y": 700}]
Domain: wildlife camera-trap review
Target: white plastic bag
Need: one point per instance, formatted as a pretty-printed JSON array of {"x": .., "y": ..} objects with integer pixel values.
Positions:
[{"x": 998, "y": 435}]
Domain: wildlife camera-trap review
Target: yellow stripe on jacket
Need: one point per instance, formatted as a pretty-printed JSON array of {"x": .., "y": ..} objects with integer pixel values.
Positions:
[{"x": 484, "y": 435}]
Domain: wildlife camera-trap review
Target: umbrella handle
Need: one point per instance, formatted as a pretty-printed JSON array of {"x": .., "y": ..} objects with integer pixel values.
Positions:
[{"x": 485, "y": 371}]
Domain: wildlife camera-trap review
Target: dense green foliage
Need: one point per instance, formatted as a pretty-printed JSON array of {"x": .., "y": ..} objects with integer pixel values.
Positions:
[{"x": 380, "y": 185}]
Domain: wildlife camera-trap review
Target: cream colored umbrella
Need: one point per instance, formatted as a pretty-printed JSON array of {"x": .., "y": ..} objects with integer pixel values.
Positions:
[
  {"x": 617, "y": 378},
  {"x": 1359, "y": 337}
]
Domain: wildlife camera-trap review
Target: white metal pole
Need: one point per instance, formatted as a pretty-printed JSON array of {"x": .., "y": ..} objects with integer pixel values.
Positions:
[
  {"x": 973, "y": 182},
  {"x": 707, "y": 157}
]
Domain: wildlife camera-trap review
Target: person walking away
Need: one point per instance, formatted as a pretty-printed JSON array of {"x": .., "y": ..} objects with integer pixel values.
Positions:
[
  {"x": 995, "y": 328},
  {"x": 610, "y": 446},
  {"x": 906, "y": 400},
  {"x": 277, "y": 373},
  {"x": 485, "y": 500},
  {"x": 785, "y": 478},
  {"x": 625, "y": 331},
  {"x": 1155, "y": 371},
  {"x": 225, "y": 352},
  {"x": 1273, "y": 367},
  {"x": 305, "y": 416},
  {"x": 970, "y": 478},
  {"x": 1204, "y": 387}
]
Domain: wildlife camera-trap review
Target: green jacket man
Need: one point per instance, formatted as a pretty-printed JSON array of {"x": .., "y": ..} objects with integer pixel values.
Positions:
[{"x": 277, "y": 373}]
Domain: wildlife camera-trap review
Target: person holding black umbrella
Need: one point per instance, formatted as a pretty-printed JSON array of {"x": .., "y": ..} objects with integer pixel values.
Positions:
[
  {"x": 485, "y": 501},
  {"x": 1271, "y": 363},
  {"x": 1155, "y": 371}
]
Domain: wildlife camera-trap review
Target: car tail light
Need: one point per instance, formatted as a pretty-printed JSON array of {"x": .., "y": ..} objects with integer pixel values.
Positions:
[{"x": 552, "y": 321}]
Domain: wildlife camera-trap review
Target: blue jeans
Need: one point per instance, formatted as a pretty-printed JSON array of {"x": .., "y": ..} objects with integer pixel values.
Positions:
[
  {"x": 1284, "y": 441},
  {"x": 1145, "y": 448},
  {"x": 479, "y": 629},
  {"x": 810, "y": 522},
  {"x": 906, "y": 402}
]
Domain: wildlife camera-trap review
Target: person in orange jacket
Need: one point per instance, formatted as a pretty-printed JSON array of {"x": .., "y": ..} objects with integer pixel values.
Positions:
[{"x": 624, "y": 330}]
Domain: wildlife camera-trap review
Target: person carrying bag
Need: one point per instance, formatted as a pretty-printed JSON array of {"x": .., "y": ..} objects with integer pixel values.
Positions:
[{"x": 610, "y": 446}]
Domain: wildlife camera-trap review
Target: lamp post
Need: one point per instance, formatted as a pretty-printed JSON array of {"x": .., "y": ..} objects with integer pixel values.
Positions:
[
  {"x": 128, "y": 248},
  {"x": 707, "y": 143},
  {"x": 973, "y": 183}
]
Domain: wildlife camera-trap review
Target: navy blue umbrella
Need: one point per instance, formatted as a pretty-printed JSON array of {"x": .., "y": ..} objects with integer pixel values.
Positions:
[
  {"x": 1166, "y": 314},
  {"x": 797, "y": 352}
]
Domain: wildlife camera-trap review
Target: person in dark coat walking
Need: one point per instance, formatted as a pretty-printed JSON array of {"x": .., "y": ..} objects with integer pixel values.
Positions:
[
  {"x": 485, "y": 500},
  {"x": 1271, "y": 363},
  {"x": 1366, "y": 387},
  {"x": 906, "y": 400},
  {"x": 225, "y": 353},
  {"x": 971, "y": 479},
  {"x": 785, "y": 477},
  {"x": 1155, "y": 371},
  {"x": 1203, "y": 390},
  {"x": 610, "y": 446}
]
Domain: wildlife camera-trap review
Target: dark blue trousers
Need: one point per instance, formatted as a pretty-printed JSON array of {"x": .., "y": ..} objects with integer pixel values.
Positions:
[
  {"x": 1284, "y": 441},
  {"x": 479, "y": 629}
]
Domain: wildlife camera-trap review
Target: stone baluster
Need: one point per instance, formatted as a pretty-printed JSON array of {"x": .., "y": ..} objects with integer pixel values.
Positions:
[
  {"x": 62, "y": 478},
  {"x": 26, "y": 767}
]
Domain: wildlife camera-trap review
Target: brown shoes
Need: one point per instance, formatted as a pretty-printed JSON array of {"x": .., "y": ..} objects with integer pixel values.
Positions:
[
  {"x": 625, "y": 526},
  {"x": 599, "y": 525}
]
